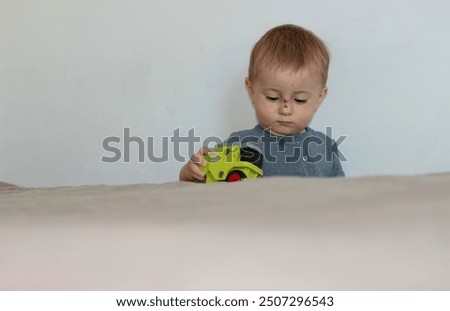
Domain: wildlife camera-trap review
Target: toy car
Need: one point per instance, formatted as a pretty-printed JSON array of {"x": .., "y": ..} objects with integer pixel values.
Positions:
[{"x": 232, "y": 163}]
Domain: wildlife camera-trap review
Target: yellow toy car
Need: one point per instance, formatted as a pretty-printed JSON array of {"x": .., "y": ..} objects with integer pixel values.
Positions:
[{"x": 232, "y": 163}]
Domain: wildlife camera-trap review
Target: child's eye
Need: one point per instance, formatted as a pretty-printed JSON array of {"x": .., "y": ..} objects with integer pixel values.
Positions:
[
  {"x": 272, "y": 98},
  {"x": 300, "y": 101}
]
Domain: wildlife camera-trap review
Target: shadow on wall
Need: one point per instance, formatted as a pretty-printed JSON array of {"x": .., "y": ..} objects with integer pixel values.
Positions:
[{"x": 238, "y": 112}]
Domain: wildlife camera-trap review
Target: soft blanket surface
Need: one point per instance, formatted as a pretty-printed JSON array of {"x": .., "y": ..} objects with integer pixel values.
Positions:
[{"x": 365, "y": 233}]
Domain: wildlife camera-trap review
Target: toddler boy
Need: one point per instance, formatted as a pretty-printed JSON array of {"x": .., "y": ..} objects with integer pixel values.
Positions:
[{"x": 286, "y": 84}]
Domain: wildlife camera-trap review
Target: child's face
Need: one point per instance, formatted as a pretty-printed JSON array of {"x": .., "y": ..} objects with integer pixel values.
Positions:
[{"x": 285, "y": 102}]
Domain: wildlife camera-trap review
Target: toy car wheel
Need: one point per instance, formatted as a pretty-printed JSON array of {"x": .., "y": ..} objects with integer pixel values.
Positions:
[{"x": 235, "y": 176}]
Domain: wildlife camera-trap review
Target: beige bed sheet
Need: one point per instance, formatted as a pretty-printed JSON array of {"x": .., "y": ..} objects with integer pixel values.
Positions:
[{"x": 365, "y": 233}]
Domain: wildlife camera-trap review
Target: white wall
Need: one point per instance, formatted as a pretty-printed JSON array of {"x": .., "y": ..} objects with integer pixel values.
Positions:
[{"x": 74, "y": 72}]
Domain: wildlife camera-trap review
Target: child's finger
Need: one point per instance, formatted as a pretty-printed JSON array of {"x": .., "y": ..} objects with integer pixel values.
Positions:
[
  {"x": 198, "y": 157},
  {"x": 195, "y": 158},
  {"x": 204, "y": 150},
  {"x": 197, "y": 172}
]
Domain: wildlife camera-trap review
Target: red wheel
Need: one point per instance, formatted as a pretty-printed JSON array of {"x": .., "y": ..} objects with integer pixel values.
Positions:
[{"x": 235, "y": 176}]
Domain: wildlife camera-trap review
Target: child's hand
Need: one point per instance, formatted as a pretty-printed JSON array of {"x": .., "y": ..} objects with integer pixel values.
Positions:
[{"x": 191, "y": 170}]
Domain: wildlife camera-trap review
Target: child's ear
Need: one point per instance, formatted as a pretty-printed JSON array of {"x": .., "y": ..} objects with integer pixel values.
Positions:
[
  {"x": 322, "y": 96},
  {"x": 248, "y": 86},
  {"x": 250, "y": 91}
]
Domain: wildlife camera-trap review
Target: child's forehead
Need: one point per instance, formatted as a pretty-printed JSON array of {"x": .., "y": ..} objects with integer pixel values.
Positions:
[{"x": 288, "y": 74}]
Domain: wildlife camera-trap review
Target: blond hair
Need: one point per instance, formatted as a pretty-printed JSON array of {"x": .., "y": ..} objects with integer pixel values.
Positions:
[{"x": 290, "y": 47}]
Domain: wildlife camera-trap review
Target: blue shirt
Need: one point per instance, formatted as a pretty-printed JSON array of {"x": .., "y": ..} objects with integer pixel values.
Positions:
[{"x": 306, "y": 154}]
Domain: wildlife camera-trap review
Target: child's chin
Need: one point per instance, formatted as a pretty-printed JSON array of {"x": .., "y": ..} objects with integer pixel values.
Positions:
[{"x": 285, "y": 129}]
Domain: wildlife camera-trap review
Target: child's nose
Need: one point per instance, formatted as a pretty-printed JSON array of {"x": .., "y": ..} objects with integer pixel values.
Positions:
[{"x": 285, "y": 107}]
